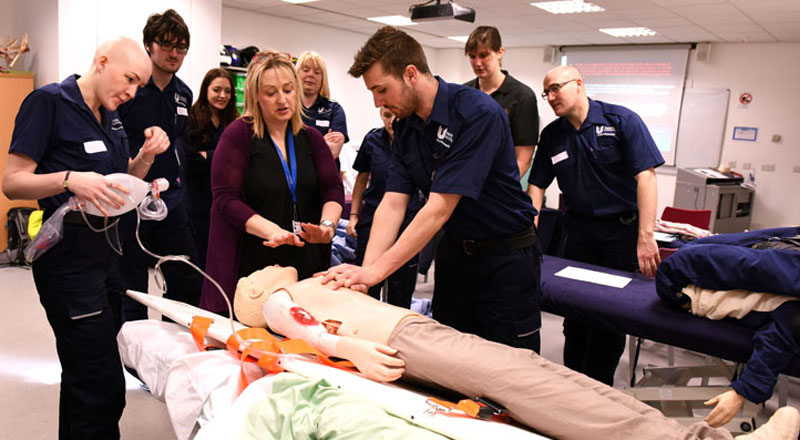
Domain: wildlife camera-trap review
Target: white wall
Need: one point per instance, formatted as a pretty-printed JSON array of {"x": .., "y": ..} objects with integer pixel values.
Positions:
[
  {"x": 64, "y": 33},
  {"x": 246, "y": 28},
  {"x": 7, "y": 27},
  {"x": 767, "y": 70},
  {"x": 83, "y": 24},
  {"x": 39, "y": 18}
]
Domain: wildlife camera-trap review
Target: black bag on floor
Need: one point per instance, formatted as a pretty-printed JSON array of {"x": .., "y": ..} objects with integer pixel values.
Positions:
[{"x": 18, "y": 238}]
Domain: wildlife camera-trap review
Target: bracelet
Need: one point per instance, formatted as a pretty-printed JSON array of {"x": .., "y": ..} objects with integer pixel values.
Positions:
[
  {"x": 353, "y": 214},
  {"x": 328, "y": 223},
  {"x": 65, "y": 182}
]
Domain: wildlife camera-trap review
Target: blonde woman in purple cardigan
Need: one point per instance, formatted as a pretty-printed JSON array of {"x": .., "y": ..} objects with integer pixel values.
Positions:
[{"x": 277, "y": 196}]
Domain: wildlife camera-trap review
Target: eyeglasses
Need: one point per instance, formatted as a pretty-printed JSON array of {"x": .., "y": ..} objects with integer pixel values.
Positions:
[
  {"x": 554, "y": 88},
  {"x": 167, "y": 46}
]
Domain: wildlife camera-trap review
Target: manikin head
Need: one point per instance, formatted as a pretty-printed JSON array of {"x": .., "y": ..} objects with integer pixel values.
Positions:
[
  {"x": 119, "y": 67},
  {"x": 565, "y": 91},
  {"x": 253, "y": 291},
  {"x": 392, "y": 63}
]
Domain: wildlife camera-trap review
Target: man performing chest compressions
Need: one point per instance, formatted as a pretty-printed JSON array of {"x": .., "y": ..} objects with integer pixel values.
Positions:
[{"x": 386, "y": 342}]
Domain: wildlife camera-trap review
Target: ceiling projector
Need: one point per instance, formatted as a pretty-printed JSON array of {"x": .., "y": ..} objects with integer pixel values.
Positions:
[{"x": 446, "y": 11}]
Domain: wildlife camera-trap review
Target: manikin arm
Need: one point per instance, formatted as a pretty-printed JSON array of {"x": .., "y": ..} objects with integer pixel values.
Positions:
[{"x": 375, "y": 361}]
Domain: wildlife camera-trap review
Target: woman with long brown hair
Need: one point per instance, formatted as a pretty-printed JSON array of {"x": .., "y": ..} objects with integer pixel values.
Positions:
[{"x": 214, "y": 109}]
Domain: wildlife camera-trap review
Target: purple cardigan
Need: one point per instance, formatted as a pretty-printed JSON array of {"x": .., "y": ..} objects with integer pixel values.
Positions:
[{"x": 229, "y": 211}]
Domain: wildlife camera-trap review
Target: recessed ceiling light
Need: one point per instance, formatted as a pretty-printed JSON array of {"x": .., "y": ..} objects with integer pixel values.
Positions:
[
  {"x": 393, "y": 20},
  {"x": 299, "y": 1},
  {"x": 629, "y": 32},
  {"x": 567, "y": 6},
  {"x": 460, "y": 38}
]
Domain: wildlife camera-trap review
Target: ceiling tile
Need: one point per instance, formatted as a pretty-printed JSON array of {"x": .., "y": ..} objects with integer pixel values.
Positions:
[{"x": 523, "y": 25}]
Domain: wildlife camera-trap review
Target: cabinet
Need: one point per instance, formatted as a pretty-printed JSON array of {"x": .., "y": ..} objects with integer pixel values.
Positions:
[{"x": 14, "y": 87}]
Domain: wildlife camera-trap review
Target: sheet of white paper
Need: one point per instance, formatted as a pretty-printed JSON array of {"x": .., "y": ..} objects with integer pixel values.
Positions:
[
  {"x": 664, "y": 237},
  {"x": 593, "y": 276}
]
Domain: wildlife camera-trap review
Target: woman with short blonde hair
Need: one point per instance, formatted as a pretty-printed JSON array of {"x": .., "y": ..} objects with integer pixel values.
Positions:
[{"x": 319, "y": 111}]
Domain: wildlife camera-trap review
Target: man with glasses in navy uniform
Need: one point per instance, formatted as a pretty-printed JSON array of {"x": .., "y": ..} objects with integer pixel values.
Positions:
[
  {"x": 605, "y": 160},
  {"x": 454, "y": 144},
  {"x": 165, "y": 102}
]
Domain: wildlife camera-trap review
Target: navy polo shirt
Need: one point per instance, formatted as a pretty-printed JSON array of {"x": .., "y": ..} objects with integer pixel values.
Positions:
[
  {"x": 596, "y": 165},
  {"x": 56, "y": 129},
  {"x": 326, "y": 115},
  {"x": 464, "y": 148},
  {"x": 168, "y": 109},
  {"x": 374, "y": 158}
]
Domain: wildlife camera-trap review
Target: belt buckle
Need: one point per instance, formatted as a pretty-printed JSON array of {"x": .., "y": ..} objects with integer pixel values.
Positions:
[{"x": 467, "y": 245}]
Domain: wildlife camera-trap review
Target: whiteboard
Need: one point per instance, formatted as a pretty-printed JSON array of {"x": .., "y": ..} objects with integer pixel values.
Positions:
[{"x": 701, "y": 128}]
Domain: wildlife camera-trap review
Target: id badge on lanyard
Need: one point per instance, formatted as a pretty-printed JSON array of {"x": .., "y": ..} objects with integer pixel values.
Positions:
[{"x": 291, "y": 177}]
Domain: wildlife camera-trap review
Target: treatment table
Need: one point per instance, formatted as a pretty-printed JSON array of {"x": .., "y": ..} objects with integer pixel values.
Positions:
[{"x": 637, "y": 310}]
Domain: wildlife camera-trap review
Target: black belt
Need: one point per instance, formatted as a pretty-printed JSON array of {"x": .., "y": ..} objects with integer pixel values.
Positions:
[
  {"x": 75, "y": 218},
  {"x": 626, "y": 218},
  {"x": 472, "y": 247}
]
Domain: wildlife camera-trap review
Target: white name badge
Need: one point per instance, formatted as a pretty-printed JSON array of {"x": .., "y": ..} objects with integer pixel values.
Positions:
[
  {"x": 296, "y": 228},
  {"x": 93, "y": 147},
  {"x": 323, "y": 123},
  {"x": 559, "y": 157},
  {"x": 182, "y": 111}
]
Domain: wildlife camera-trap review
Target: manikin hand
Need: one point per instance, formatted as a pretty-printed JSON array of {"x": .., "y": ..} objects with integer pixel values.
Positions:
[
  {"x": 647, "y": 252},
  {"x": 727, "y": 405},
  {"x": 92, "y": 187},
  {"x": 375, "y": 361}
]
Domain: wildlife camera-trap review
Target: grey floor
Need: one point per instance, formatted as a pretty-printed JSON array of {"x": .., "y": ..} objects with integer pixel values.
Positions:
[{"x": 29, "y": 368}]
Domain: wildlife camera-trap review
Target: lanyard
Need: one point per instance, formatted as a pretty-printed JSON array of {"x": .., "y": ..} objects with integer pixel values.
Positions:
[{"x": 291, "y": 178}]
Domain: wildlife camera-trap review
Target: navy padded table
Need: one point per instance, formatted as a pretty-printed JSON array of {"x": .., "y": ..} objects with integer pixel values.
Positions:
[{"x": 637, "y": 310}]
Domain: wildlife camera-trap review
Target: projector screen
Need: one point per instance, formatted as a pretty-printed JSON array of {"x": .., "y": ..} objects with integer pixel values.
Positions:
[{"x": 646, "y": 79}]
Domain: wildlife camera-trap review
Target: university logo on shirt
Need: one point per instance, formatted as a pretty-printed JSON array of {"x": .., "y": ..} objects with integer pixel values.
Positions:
[
  {"x": 444, "y": 137},
  {"x": 604, "y": 130},
  {"x": 116, "y": 124},
  {"x": 180, "y": 99}
]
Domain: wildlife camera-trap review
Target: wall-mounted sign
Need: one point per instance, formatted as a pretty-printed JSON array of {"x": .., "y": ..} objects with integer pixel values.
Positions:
[
  {"x": 749, "y": 134},
  {"x": 745, "y": 98}
]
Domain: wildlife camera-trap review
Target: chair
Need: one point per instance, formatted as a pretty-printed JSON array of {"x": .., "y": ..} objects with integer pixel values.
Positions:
[
  {"x": 700, "y": 218},
  {"x": 666, "y": 252}
]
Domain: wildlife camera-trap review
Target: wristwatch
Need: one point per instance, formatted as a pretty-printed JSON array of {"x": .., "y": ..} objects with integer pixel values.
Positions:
[
  {"x": 65, "y": 182},
  {"x": 328, "y": 223}
]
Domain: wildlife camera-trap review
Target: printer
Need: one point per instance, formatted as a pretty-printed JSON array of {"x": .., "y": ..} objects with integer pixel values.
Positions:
[{"x": 725, "y": 194}]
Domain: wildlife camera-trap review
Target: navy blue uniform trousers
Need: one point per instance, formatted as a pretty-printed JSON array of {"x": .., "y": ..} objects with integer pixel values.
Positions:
[
  {"x": 495, "y": 296},
  {"x": 79, "y": 288},
  {"x": 608, "y": 242}
]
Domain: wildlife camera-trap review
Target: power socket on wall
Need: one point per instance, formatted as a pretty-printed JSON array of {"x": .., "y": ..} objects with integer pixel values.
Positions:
[
  {"x": 747, "y": 165},
  {"x": 768, "y": 167}
]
